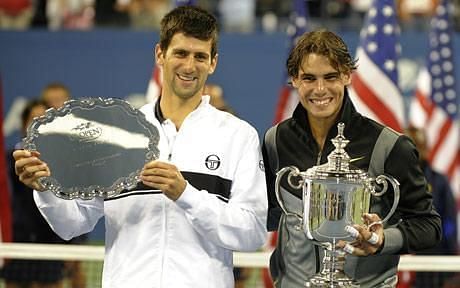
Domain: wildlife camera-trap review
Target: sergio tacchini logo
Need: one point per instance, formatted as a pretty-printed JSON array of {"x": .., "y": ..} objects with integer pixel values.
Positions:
[{"x": 212, "y": 162}]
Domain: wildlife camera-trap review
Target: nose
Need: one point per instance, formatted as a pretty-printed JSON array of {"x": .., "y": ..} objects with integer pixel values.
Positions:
[
  {"x": 189, "y": 63},
  {"x": 320, "y": 84}
]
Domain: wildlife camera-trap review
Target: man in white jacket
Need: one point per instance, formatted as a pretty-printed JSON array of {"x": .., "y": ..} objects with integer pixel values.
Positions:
[{"x": 202, "y": 199}]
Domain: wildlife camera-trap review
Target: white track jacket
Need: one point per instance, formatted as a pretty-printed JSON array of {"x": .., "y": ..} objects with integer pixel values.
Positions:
[{"x": 152, "y": 241}]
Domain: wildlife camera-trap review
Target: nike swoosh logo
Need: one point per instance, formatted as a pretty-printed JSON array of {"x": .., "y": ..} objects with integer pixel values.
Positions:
[{"x": 357, "y": 159}]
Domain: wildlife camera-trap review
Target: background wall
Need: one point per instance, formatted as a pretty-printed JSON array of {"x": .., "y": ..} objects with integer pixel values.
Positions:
[{"x": 119, "y": 64}]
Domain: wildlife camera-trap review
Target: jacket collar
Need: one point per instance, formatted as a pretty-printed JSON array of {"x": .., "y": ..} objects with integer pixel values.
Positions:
[
  {"x": 205, "y": 99},
  {"x": 158, "y": 113}
]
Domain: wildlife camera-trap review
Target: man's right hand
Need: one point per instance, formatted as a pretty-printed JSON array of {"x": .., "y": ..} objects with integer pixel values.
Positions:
[{"x": 30, "y": 168}]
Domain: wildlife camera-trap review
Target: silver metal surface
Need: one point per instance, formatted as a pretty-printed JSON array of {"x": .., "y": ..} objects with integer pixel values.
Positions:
[
  {"x": 94, "y": 147},
  {"x": 335, "y": 195}
]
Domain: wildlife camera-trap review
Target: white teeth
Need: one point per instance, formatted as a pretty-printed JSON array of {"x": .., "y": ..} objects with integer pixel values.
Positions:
[{"x": 321, "y": 102}]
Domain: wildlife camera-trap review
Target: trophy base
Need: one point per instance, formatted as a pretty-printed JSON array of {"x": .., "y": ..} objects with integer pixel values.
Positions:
[{"x": 331, "y": 280}]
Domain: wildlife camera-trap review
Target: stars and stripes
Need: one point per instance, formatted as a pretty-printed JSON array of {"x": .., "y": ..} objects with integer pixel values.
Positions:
[
  {"x": 436, "y": 102},
  {"x": 374, "y": 89}
]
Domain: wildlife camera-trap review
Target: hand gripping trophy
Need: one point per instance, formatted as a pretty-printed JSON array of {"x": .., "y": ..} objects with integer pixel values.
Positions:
[{"x": 334, "y": 197}]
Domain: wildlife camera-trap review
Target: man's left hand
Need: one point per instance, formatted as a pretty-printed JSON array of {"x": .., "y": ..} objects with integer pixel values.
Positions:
[
  {"x": 369, "y": 237},
  {"x": 165, "y": 177}
]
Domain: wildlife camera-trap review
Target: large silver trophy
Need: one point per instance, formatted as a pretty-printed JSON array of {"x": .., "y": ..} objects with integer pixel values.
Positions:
[{"x": 334, "y": 196}]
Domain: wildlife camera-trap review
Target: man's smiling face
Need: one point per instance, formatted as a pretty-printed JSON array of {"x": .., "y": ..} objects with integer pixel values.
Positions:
[
  {"x": 321, "y": 87},
  {"x": 186, "y": 65}
]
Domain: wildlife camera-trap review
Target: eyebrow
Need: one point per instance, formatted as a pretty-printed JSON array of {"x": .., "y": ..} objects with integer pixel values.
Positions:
[
  {"x": 324, "y": 75},
  {"x": 190, "y": 52}
]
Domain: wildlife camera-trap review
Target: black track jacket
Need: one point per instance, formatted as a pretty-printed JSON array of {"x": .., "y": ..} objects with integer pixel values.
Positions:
[{"x": 414, "y": 226}]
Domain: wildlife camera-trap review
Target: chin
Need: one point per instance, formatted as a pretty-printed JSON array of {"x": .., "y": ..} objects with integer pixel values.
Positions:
[
  {"x": 187, "y": 94},
  {"x": 322, "y": 114}
]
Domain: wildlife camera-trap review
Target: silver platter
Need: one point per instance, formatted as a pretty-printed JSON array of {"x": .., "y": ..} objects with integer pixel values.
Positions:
[{"x": 94, "y": 147}]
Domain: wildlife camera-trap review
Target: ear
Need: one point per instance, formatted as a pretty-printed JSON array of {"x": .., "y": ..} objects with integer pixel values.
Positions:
[
  {"x": 213, "y": 65},
  {"x": 159, "y": 55},
  {"x": 346, "y": 77},
  {"x": 295, "y": 82}
]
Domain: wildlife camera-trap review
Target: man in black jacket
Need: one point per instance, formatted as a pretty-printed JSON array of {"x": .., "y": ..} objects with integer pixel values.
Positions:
[{"x": 320, "y": 67}]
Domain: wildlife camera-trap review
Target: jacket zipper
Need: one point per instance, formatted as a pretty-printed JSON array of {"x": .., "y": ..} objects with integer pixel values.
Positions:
[
  {"x": 171, "y": 144},
  {"x": 318, "y": 158}
]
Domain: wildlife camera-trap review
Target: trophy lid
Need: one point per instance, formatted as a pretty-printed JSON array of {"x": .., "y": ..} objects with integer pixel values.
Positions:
[{"x": 338, "y": 164}]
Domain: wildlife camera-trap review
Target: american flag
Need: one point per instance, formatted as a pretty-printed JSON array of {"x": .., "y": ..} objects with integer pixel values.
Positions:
[
  {"x": 435, "y": 106},
  {"x": 288, "y": 98},
  {"x": 5, "y": 204},
  {"x": 155, "y": 82},
  {"x": 374, "y": 89}
]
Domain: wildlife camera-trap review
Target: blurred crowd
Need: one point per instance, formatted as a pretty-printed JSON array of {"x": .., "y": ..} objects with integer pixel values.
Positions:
[{"x": 240, "y": 16}]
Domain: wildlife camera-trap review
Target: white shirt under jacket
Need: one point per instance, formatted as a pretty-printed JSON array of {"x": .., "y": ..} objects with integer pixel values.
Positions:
[{"x": 151, "y": 241}]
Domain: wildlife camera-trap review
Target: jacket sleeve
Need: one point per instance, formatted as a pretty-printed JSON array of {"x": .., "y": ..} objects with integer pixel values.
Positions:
[
  {"x": 240, "y": 223},
  {"x": 69, "y": 218},
  {"x": 270, "y": 162},
  {"x": 415, "y": 217}
]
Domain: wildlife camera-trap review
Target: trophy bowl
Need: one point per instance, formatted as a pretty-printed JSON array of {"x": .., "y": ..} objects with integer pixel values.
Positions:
[{"x": 335, "y": 195}]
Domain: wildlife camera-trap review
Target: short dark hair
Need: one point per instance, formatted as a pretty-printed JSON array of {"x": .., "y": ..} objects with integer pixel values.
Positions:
[
  {"x": 321, "y": 42},
  {"x": 28, "y": 109},
  {"x": 192, "y": 21}
]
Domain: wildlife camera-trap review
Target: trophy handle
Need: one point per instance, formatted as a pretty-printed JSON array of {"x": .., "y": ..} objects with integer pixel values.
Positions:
[
  {"x": 383, "y": 180},
  {"x": 306, "y": 212},
  {"x": 293, "y": 171}
]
